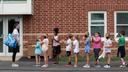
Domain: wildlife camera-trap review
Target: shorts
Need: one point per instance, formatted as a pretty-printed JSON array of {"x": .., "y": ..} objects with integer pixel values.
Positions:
[
  {"x": 68, "y": 53},
  {"x": 56, "y": 50},
  {"x": 121, "y": 51},
  {"x": 44, "y": 48},
  {"x": 87, "y": 49},
  {"x": 107, "y": 50}
]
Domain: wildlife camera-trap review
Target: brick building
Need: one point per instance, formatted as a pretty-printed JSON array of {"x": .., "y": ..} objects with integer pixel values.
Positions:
[{"x": 74, "y": 16}]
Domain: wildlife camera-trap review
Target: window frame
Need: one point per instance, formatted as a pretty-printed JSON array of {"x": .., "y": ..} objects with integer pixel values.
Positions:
[
  {"x": 105, "y": 21},
  {"x": 115, "y": 22}
]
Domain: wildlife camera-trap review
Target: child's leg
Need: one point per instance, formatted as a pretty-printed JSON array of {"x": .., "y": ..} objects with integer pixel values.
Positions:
[
  {"x": 76, "y": 59},
  {"x": 87, "y": 59},
  {"x": 108, "y": 58},
  {"x": 69, "y": 56},
  {"x": 36, "y": 59},
  {"x": 45, "y": 58},
  {"x": 122, "y": 51},
  {"x": 69, "y": 59},
  {"x": 96, "y": 53},
  {"x": 39, "y": 59},
  {"x": 123, "y": 61}
]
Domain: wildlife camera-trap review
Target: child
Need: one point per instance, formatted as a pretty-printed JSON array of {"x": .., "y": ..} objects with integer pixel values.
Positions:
[
  {"x": 107, "y": 46},
  {"x": 97, "y": 44},
  {"x": 69, "y": 48},
  {"x": 76, "y": 49},
  {"x": 87, "y": 50},
  {"x": 38, "y": 51},
  {"x": 45, "y": 43},
  {"x": 121, "y": 49}
]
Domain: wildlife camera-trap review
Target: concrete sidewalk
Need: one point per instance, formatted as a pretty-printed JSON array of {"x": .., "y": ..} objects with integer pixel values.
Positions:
[{"x": 29, "y": 66}]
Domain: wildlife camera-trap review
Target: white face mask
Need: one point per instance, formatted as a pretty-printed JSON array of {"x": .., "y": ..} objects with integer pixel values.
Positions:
[{"x": 18, "y": 26}]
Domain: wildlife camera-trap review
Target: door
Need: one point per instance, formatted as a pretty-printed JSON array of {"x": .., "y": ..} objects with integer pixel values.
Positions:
[{"x": 6, "y": 27}]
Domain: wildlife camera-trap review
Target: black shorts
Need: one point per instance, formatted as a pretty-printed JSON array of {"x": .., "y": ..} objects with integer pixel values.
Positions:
[
  {"x": 56, "y": 50},
  {"x": 68, "y": 53},
  {"x": 121, "y": 52},
  {"x": 16, "y": 49}
]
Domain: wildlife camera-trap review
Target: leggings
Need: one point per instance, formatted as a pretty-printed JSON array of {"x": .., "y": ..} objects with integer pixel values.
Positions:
[
  {"x": 15, "y": 50},
  {"x": 96, "y": 53}
]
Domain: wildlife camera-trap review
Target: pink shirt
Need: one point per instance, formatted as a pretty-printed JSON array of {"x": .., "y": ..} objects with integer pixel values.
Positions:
[{"x": 97, "y": 43}]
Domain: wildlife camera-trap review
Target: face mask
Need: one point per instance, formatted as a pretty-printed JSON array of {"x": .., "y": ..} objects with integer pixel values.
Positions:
[{"x": 107, "y": 37}]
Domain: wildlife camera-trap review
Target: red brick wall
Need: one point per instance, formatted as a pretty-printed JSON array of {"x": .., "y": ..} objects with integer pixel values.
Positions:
[{"x": 68, "y": 15}]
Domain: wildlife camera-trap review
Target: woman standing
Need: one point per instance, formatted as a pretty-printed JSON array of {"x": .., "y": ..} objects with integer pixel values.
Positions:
[
  {"x": 56, "y": 46},
  {"x": 15, "y": 34}
]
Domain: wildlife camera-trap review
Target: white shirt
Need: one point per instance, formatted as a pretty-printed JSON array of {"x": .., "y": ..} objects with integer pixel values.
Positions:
[
  {"x": 76, "y": 46},
  {"x": 15, "y": 32},
  {"x": 46, "y": 42},
  {"x": 107, "y": 42},
  {"x": 68, "y": 45},
  {"x": 55, "y": 43}
]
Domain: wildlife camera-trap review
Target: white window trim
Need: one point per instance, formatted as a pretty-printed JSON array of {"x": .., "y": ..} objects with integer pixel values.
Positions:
[
  {"x": 115, "y": 22},
  {"x": 105, "y": 21}
]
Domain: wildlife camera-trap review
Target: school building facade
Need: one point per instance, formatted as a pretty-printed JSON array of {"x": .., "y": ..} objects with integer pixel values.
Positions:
[{"x": 37, "y": 17}]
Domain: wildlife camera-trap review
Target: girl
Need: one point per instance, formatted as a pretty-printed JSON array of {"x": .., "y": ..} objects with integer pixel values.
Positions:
[
  {"x": 97, "y": 44},
  {"x": 76, "y": 49},
  {"x": 121, "y": 49},
  {"x": 56, "y": 46},
  {"x": 87, "y": 50},
  {"x": 69, "y": 48},
  {"x": 107, "y": 46},
  {"x": 38, "y": 51},
  {"x": 45, "y": 50},
  {"x": 15, "y": 34}
]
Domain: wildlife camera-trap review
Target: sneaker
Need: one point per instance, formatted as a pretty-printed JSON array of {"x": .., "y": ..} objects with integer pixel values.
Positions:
[
  {"x": 97, "y": 66},
  {"x": 107, "y": 66},
  {"x": 86, "y": 66},
  {"x": 75, "y": 66},
  {"x": 44, "y": 66},
  {"x": 67, "y": 65},
  {"x": 15, "y": 65},
  {"x": 122, "y": 66}
]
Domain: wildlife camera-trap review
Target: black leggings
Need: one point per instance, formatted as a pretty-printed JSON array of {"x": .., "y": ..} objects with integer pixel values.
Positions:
[
  {"x": 15, "y": 50},
  {"x": 96, "y": 53}
]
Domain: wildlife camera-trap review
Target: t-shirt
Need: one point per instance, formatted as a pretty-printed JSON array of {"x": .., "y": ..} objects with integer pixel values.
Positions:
[
  {"x": 68, "y": 45},
  {"x": 76, "y": 46},
  {"x": 107, "y": 42},
  {"x": 55, "y": 41},
  {"x": 88, "y": 43},
  {"x": 38, "y": 49},
  {"x": 121, "y": 41},
  {"x": 46, "y": 42},
  {"x": 15, "y": 32},
  {"x": 97, "y": 43}
]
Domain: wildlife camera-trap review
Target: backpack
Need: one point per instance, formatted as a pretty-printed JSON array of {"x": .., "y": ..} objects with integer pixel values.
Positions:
[{"x": 10, "y": 41}]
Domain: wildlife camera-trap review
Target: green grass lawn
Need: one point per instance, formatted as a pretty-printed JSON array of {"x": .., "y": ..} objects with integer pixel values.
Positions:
[{"x": 82, "y": 59}]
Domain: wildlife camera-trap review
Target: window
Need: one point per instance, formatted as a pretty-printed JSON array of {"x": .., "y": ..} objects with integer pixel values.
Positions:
[
  {"x": 97, "y": 22},
  {"x": 121, "y": 22},
  {"x": 14, "y": 1}
]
